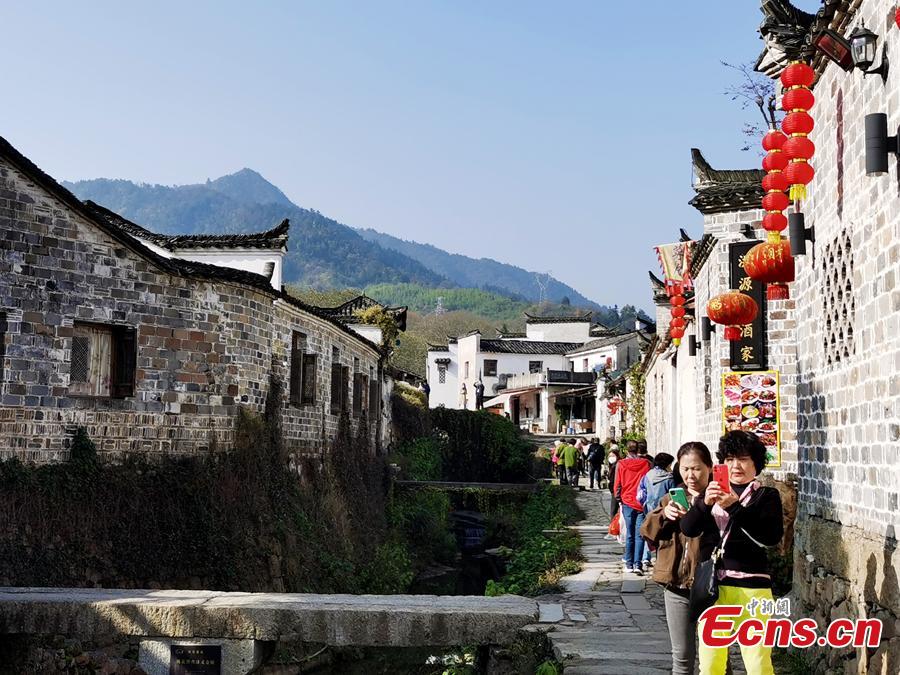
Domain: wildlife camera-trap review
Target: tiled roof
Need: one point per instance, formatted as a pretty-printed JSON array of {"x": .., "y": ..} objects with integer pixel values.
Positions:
[
  {"x": 276, "y": 238},
  {"x": 787, "y": 32},
  {"x": 603, "y": 342},
  {"x": 438, "y": 348},
  {"x": 577, "y": 318},
  {"x": 721, "y": 190},
  {"x": 347, "y": 311},
  {"x": 508, "y": 336},
  {"x": 185, "y": 268},
  {"x": 527, "y": 347}
]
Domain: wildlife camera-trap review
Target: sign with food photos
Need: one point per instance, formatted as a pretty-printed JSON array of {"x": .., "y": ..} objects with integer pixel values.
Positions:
[{"x": 750, "y": 401}]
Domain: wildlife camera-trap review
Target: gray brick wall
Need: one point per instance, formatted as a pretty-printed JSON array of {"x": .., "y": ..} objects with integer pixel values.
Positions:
[{"x": 203, "y": 347}]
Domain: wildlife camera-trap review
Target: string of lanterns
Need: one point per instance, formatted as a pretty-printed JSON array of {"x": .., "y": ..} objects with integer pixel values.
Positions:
[{"x": 676, "y": 300}]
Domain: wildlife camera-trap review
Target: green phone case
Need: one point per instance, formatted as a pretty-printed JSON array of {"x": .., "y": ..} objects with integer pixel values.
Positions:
[{"x": 679, "y": 496}]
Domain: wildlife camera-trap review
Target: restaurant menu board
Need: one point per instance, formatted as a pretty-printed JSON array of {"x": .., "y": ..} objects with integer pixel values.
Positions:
[{"x": 751, "y": 402}]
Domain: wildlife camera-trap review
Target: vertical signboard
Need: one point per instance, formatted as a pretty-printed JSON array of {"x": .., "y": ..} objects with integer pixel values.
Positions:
[{"x": 748, "y": 353}]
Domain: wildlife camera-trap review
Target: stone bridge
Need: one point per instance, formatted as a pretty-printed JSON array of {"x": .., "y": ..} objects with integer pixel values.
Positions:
[{"x": 242, "y": 621}]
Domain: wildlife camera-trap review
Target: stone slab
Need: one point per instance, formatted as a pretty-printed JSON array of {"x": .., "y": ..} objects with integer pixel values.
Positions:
[
  {"x": 338, "y": 620},
  {"x": 634, "y": 602},
  {"x": 633, "y": 586},
  {"x": 550, "y": 613}
]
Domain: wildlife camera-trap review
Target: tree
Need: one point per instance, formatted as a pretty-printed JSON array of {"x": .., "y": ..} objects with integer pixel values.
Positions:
[{"x": 754, "y": 90}]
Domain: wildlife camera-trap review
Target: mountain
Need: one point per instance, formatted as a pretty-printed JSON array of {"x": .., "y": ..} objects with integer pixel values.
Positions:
[
  {"x": 248, "y": 187},
  {"x": 322, "y": 252},
  {"x": 483, "y": 273}
]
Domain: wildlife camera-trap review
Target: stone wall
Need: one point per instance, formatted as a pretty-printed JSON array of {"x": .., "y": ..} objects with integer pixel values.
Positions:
[
  {"x": 848, "y": 325},
  {"x": 204, "y": 346}
]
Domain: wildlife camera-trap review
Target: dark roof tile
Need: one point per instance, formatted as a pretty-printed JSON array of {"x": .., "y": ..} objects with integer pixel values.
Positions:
[
  {"x": 577, "y": 318},
  {"x": 527, "y": 347}
]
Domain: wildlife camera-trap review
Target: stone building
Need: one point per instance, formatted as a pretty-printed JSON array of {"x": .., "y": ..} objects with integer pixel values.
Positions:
[
  {"x": 835, "y": 343},
  {"x": 153, "y": 343}
]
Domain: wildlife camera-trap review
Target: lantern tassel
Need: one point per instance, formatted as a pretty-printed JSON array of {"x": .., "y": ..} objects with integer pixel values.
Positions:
[
  {"x": 676, "y": 341},
  {"x": 777, "y": 292},
  {"x": 733, "y": 333},
  {"x": 798, "y": 192}
]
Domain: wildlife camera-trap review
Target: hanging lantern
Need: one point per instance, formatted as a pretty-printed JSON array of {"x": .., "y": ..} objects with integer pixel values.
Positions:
[
  {"x": 732, "y": 310},
  {"x": 676, "y": 326},
  {"x": 797, "y": 79},
  {"x": 775, "y": 183},
  {"x": 772, "y": 264}
]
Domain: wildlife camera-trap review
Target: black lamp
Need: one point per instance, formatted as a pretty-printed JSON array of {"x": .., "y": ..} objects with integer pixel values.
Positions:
[
  {"x": 863, "y": 47},
  {"x": 706, "y": 328},
  {"x": 878, "y": 144},
  {"x": 693, "y": 345},
  {"x": 836, "y": 48},
  {"x": 799, "y": 233}
]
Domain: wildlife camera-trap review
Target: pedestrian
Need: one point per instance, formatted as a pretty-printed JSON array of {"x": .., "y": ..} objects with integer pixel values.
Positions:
[
  {"x": 595, "y": 457},
  {"x": 612, "y": 459},
  {"x": 744, "y": 519},
  {"x": 570, "y": 460},
  {"x": 582, "y": 446},
  {"x": 556, "y": 459},
  {"x": 629, "y": 473},
  {"x": 642, "y": 451},
  {"x": 654, "y": 485},
  {"x": 677, "y": 555}
]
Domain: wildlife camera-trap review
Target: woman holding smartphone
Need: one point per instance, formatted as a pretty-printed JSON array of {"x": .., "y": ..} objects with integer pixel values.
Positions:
[
  {"x": 747, "y": 517},
  {"x": 677, "y": 555}
]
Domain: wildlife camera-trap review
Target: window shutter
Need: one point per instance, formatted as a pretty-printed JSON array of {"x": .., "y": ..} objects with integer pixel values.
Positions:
[
  {"x": 336, "y": 373},
  {"x": 124, "y": 358},
  {"x": 374, "y": 398},
  {"x": 308, "y": 396},
  {"x": 296, "y": 385},
  {"x": 357, "y": 393},
  {"x": 345, "y": 389}
]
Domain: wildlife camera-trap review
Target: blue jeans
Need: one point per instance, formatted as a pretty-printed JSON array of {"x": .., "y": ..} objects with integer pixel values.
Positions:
[{"x": 634, "y": 544}]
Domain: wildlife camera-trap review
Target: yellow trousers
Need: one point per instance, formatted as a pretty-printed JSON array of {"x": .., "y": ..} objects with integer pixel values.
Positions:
[{"x": 757, "y": 659}]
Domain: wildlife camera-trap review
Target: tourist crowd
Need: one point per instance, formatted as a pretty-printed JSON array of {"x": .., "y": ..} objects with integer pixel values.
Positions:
[{"x": 710, "y": 529}]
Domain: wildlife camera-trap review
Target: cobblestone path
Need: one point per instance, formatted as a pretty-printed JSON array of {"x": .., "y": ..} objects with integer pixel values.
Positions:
[{"x": 606, "y": 621}]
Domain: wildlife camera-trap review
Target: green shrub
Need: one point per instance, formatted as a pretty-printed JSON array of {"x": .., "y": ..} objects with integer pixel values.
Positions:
[
  {"x": 390, "y": 571},
  {"x": 421, "y": 518},
  {"x": 420, "y": 459}
]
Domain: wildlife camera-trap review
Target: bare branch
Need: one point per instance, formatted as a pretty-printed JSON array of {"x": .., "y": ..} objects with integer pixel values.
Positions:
[{"x": 754, "y": 90}]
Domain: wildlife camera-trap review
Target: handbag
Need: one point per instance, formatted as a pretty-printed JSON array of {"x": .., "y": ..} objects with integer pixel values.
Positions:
[{"x": 705, "y": 588}]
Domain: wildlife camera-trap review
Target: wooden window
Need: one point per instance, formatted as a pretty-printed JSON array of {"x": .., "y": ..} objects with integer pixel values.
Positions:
[
  {"x": 336, "y": 375},
  {"x": 298, "y": 347},
  {"x": 374, "y": 395},
  {"x": 345, "y": 389},
  {"x": 490, "y": 367},
  {"x": 3, "y": 330},
  {"x": 442, "y": 374},
  {"x": 584, "y": 365},
  {"x": 357, "y": 394},
  {"x": 535, "y": 366},
  {"x": 466, "y": 370},
  {"x": 310, "y": 363},
  {"x": 103, "y": 361}
]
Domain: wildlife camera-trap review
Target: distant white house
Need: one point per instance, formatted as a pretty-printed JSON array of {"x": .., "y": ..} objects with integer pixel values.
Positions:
[{"x": 545, "y": 380}]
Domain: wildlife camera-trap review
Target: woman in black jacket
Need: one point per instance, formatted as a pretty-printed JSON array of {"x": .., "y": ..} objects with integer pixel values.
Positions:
[{"x": 750, "y": 516}]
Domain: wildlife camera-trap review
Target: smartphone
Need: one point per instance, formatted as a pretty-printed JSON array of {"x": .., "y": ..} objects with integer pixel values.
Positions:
[
  {"x": 679, "y": 496},
  {"x": 720, "y": 475}
]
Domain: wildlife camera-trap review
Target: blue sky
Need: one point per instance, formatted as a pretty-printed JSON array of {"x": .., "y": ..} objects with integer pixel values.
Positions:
[{"x": 551, "y": 135}]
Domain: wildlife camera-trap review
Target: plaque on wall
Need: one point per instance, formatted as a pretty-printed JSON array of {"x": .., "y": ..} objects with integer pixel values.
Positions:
[
  {"x": 748, "y": 353},
  {"x": 195, "y": 660}
]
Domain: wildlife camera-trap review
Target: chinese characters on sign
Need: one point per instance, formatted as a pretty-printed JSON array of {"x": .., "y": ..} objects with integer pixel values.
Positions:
[
  {"x": 748, "y": 353},
  {"x": 195, "y": 660},
  {"x": 751, "y": 401}
]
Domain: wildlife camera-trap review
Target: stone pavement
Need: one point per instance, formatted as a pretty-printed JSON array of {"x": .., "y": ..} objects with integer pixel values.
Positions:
[{"x": 606, "y": 621}]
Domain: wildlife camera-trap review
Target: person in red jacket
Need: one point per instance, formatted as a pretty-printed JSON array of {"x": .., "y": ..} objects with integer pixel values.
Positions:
[{"x": 628, "y": 476}]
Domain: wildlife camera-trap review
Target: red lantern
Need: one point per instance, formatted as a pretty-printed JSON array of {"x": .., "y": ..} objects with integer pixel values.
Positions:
[
  {"x": 771, "y": 263},
  {"x": 798, "y": 99},
  {"x": 676, "y": 300},
  {"x": 773, "y": 140},
  {"x": 897, "y": 17},
  {"x": 797, "y": 123},
  {"x": 775, "y": 161},
  {"x": 775, "y": 222},
  {"x": 775, "y": 201},
  {"x": 775, "y": 180},
  {"x": 797, "y": 74},
  {"x": 797, "y": 78},
  {"x": 799, "y": 147},
  {"x": 678, "y": 311},
  {"x": 732, "y": 310}
]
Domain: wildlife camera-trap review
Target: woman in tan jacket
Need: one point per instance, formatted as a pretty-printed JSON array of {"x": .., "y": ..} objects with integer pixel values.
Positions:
[{"x": 677, "y": 555}]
